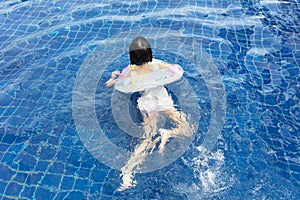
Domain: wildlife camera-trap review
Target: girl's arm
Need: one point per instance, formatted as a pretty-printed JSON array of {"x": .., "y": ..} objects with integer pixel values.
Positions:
[
  {"x": 116, "y": 74},
  {"x": 112, "y": 81}
]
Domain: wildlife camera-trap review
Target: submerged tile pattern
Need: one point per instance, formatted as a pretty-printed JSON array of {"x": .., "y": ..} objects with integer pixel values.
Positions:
[{"x": 255, "y": 45}]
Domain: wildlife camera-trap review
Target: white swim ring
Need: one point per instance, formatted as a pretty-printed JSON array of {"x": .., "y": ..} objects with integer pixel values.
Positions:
[{"x": 136, "y": 83}]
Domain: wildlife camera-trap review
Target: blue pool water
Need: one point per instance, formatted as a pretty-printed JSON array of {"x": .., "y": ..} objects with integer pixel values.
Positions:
[{"x": 241, "y": 62}]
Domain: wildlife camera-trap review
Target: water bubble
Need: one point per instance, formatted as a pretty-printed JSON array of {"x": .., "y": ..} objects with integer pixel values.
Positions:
[
  {"x": 117, "y": 5},
  {"x": 132, "y": 10}
]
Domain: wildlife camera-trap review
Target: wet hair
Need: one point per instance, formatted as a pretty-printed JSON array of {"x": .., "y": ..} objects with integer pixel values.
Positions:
[{"x": 140, "y": 51}]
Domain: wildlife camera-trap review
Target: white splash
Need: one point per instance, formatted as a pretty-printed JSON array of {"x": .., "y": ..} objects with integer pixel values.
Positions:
[{"x": 209, "y": 175}]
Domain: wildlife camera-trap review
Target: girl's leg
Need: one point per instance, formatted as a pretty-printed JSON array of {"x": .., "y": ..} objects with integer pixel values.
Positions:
[
  {"x": 140, "y": 152},
  {"x": 182, "y": 127}
]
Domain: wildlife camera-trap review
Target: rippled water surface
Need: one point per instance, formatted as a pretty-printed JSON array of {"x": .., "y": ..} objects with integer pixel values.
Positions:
[{"x": 241, "y": 88}]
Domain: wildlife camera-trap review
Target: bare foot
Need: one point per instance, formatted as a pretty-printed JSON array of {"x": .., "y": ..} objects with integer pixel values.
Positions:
[
  {"x": 183, "y": 130},
  {"x": 165, "y": 136}
]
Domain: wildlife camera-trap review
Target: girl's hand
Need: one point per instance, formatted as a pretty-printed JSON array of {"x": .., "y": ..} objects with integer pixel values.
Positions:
[{"x": 110, "y": 82}]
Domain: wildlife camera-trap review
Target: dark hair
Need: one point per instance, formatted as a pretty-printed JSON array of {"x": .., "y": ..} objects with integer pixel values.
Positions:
[{"x": 140, "y": 51}]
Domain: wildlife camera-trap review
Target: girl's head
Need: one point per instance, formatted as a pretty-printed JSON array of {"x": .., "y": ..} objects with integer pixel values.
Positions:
[{"x": 140, "y": 51}]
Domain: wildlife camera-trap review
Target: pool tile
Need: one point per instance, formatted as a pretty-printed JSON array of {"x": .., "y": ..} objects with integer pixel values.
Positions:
[
  {"x": 51, "y": 180},
  {"x": 41, "y": 193}
]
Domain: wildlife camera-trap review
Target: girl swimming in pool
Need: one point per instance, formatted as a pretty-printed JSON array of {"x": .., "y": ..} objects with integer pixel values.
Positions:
[{"x": 153, "y": 102}]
